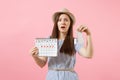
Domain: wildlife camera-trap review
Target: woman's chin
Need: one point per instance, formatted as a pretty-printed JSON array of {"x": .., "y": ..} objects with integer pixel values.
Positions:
[{"x": 63, "y": 32}]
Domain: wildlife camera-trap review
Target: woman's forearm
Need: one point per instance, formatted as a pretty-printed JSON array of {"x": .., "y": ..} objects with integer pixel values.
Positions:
[
  {"x": 40, "y": 61},
  {"x": 89, "y": 46}
]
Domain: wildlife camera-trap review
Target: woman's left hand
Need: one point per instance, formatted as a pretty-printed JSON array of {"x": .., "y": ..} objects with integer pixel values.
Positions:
[{"x": 83, "y": 28}]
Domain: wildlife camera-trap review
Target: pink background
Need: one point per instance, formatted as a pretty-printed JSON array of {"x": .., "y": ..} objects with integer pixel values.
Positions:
[{"x": 23, "y": 20}]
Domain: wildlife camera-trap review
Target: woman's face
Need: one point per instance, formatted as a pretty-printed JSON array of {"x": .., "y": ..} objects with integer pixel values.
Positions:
[{"x": 63, "y": 23}]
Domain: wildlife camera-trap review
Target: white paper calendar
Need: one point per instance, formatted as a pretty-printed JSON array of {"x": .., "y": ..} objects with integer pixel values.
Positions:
[{"x": 47, "y": 47}]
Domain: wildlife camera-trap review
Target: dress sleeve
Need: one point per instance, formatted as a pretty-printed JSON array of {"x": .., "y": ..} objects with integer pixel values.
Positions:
[{"x": 77, "y": 45}]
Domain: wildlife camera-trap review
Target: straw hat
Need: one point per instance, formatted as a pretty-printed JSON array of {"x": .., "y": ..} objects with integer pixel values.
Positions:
[{"x": 66, "y": 11}]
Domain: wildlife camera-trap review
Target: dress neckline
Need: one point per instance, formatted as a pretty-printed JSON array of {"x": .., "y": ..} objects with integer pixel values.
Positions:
[{"x": 60, "y": 40}]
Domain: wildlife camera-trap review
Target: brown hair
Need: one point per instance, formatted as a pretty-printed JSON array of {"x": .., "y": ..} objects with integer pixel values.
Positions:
[{"x": 68, "y": 44}]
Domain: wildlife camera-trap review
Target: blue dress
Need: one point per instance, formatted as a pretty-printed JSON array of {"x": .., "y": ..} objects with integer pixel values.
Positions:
[{"x": 62, "y": 61}]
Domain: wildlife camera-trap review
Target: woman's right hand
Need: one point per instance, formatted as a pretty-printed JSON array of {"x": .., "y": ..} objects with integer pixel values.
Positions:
[
  {"x": 41, "y": 61},
  {"x": 34, "y": 52}
]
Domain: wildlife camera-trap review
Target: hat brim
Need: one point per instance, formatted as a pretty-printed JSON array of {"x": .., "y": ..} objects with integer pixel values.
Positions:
[{"x": 68, "y": 13}]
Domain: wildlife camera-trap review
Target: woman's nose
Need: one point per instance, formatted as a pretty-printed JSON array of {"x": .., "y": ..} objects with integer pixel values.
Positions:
[{"x": 63, "y": 21}]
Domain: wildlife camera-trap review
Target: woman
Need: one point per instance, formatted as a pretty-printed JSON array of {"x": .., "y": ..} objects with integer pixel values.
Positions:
[{"x": 62, "y": 66}]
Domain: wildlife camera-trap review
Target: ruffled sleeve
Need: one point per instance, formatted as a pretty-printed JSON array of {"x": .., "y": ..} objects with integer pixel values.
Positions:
[{"x": 77, "y": 45}]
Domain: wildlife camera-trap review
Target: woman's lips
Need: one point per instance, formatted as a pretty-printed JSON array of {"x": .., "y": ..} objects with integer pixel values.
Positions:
[{"x": 62, "y": 27}]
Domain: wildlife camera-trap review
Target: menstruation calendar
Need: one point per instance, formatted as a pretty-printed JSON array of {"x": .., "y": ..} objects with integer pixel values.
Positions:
[{"x": 47, "y": 47}]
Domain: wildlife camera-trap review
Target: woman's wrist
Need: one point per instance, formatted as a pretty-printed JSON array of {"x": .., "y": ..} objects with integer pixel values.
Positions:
[
  {"x": 35, "y": 56},
  {"x": 88, "y": 34}
]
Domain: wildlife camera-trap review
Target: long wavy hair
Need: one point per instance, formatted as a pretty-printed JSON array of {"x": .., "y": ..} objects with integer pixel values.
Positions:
[{"x": 68, "y": 44}]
